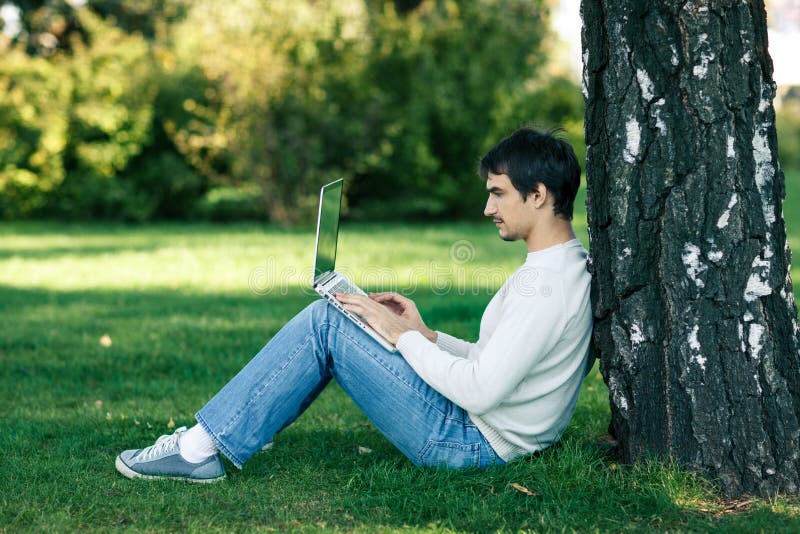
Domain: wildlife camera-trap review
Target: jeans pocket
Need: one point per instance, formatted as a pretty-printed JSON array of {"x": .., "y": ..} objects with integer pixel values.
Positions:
[{"x": 452, "y": 455}]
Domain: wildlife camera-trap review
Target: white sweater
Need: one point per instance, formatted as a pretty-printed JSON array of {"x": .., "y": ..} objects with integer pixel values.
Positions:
[{"x": 520, "y": 381}]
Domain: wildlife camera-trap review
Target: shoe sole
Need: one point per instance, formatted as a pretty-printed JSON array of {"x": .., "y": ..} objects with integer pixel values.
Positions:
[{"x": 130, "y": 473}]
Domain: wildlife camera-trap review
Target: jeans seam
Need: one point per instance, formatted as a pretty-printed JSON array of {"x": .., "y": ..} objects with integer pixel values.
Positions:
[{"x": 474, "y": 449}]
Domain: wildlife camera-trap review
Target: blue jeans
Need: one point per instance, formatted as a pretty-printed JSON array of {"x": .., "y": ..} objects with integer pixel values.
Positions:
[{"x": 318, "y": 344}]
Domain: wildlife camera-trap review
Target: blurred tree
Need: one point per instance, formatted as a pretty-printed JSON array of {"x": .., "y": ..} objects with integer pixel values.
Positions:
[
  {"x": 110, "y": 115},
  {"x": 171, "y": 107},
  {"x": 284, "y": 110},
  {"x": 399, "y": 103},
  {"x": 405, "y": 6},
  {"x": 787, "y": 121},
  {"x": 47, "y": 27},
  {"x": 51, "y": 26},
  {"x": 33, "y": 132},
  {"x": 448, "y": 78}
]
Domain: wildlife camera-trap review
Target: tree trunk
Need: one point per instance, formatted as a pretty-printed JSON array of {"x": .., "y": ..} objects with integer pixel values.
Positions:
[{"x": 695, "y": 321}]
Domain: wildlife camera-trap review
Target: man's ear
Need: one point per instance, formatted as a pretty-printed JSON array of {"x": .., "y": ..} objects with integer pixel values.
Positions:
[{"x": 539, "y": 196}]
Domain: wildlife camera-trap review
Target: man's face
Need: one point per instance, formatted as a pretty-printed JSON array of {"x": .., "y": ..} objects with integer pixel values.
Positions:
[{"x": 513, "y": 216}]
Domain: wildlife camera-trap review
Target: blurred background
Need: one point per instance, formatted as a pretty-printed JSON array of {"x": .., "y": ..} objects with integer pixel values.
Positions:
[{"x": 141, "y": 110}]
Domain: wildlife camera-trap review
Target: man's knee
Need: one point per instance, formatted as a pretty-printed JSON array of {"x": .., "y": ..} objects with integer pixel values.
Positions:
[
  {"x": 320, "y": 305},
  {"x": 318, "y": 310}
]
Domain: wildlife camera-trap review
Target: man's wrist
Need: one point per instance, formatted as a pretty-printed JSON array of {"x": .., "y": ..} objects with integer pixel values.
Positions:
[
  {"x": 427, "y": 333},
  {"x": 431, "y": 335}
]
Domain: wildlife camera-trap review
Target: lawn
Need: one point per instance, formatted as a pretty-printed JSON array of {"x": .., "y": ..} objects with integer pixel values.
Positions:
[{"x": 112, "y": 335}]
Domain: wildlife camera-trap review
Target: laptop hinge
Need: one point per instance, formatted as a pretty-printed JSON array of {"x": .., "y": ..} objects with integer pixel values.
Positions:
[{"x": 324, "y": 277}]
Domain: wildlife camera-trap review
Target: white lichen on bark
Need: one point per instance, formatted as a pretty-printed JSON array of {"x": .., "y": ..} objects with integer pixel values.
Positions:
[
  {"x": 617, "y": 395},
  {"x": 637, "y": 337},
  {"x": 695, "y": 348},
  {"x": 633, "y": 136},
  {"x": 694, "y": 267},
  {"x": 645, "y": 84},
  {"x": 656, "y": 113},
  {"x": 585, "y": 75},
  {"x": 764, "y": 171},
  {"x": 755, "y": 333},
  {"x": 757, "y": 285},
  {"x": 722, "y": 222},
  {"x": 706, "y": 56}
]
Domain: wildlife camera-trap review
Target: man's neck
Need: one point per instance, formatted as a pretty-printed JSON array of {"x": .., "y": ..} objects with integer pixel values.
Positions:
[{"x": 558, "y": 231}]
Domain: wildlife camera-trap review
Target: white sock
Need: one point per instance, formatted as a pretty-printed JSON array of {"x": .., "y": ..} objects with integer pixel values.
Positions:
[{"x": 196, "y": 445}]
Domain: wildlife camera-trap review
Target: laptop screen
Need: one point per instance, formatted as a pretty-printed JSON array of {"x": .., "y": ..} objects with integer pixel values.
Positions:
[{"x": 330, "y": 202}]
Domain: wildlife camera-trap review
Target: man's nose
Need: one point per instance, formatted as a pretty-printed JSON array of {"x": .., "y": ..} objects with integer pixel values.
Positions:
[{"x": 490, "y": 208}]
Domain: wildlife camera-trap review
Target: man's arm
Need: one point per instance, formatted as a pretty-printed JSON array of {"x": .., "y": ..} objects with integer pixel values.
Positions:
[{"x": 527, "y": 331}]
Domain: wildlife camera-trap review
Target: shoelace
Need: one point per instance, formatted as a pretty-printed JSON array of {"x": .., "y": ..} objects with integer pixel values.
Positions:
[{"x": 162, "y": 444}]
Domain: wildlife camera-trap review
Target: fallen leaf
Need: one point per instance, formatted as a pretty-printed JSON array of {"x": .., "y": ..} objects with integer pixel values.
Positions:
[
  {"x": 171, "y": 423},
  {"x": 523, "y": 489},
  {"x": 105, "y": 340},
  {"x": 98, "y": 403},
  {"x": 364, "y": 450}
]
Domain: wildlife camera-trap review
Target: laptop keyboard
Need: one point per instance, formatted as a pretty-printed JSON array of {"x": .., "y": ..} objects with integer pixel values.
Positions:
[{"x": 344, "y": 286}]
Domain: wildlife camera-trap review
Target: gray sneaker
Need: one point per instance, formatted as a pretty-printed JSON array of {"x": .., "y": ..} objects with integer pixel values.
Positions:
[{"x": 163, "y": 460}]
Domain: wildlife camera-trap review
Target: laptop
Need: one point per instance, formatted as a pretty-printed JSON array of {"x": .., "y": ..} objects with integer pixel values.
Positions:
[{"x": 327, "y": 282}]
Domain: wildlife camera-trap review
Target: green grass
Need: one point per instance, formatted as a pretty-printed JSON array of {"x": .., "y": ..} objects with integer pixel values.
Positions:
[{"x": 185, "y": 306}]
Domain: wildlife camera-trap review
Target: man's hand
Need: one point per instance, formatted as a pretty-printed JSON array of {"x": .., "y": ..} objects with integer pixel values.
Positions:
[
  {"x": 389, "y": 314},
  {"x": 405, "y": 308}
]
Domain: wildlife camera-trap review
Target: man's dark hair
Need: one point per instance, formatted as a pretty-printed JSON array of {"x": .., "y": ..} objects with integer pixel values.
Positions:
[{"x": 529, "y": 157}]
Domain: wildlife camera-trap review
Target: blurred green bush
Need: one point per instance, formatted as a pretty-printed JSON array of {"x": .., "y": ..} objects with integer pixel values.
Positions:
[
  {"x": 787, "y": 121},
  {"x": 241, "y": 109}
]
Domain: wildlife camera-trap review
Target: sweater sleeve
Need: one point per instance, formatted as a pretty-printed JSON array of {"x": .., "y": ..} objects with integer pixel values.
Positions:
[
  {"x": 453, "y": 345},
  {"x": 528, "y": 330}
]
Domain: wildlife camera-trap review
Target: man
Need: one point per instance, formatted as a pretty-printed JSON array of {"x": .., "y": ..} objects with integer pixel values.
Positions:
[{"x": 442, "y": 401}]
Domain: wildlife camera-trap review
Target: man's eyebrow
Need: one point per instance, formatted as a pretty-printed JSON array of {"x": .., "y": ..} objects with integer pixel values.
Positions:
[{"x": 493, "y": 189}]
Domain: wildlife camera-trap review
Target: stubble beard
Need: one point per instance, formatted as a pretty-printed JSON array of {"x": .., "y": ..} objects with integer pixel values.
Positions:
[{"x": 508, "y": 236}]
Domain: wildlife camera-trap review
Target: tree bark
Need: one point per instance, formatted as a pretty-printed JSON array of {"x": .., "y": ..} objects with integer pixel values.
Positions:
[{"x": 695, "y": 320}]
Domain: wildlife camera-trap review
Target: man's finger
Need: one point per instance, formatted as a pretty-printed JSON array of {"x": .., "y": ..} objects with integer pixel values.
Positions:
[
  {"x": 389, "y": 297},
  {"x": 348, "y": 297},
  {"x": 359, "y": 304}
]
